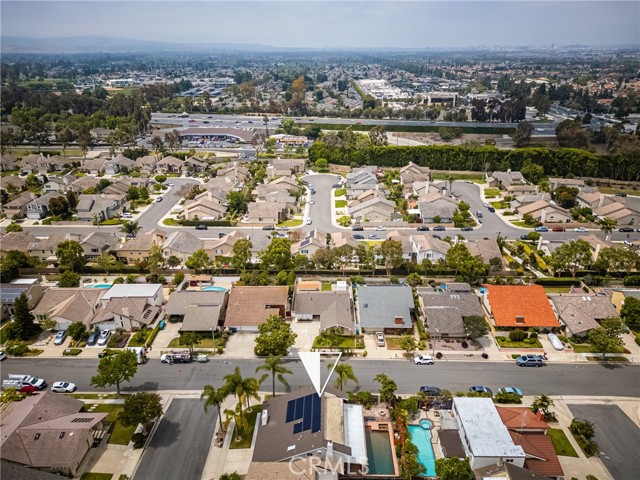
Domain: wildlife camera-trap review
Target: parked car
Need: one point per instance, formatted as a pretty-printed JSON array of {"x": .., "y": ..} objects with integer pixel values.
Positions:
[
  {"x": 439, "y": 228},
  {"x": 524, "y": 237},
  {"x": 627, "y": 243},
  {"x": 491, "y": 209},
  {"x": 373, "y": 236},
  {"x": 555, "y": 341},
  {"x": 529, "y": 361},
  {"x": 126, "y": 215},
  {"x": 541, "y": 229},
  {"x": 60, "y": 336},
  {"x": 357, "y": 228},
  {"x": 380, "y": 339},
  {"x": 466, "y": 229},
  {"x": 159, "y": 199},
  {"x": 63, "y": 387},
  {"x": 480, "y": 389},
  {"x": 309, "y": 221},
  {"x": 430, "y": 390},
  {"x": 486, "y": 204},
  {"x": 357, "y": 236},
  {"x": 580, "y": 229},
  {"x": 515, "y": 390},
  {"x": 422, "y": 229},
  {"x": 202, "y": 226},
  {"x": 103, "y": 337},
  {"x": 170, "y": 184},
  {"x": 93, "y": 339},
  {"x": 2, "y": 355},
  {"x": 221, "y": 234},
  {"x": 282, "y": 229},
  {"x": 558, "y": 229},
  {"x": 269, "y": 227},
  {"x": 312, "y": 202},
  {"x": 423, "y": 360},
  {"x": 626, "y": 230},
  {"x": 380, "y": 228}
]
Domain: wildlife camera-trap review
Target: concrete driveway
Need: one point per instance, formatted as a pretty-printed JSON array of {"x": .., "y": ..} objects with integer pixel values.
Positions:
[
  {"x": 180, "y": 445},
  {"x": 617, "y": 436},
  {"x": 307, "y": 332},
  {"x": 241, "y": 345}
]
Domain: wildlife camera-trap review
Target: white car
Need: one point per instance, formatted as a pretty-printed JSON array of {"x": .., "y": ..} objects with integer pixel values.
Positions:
[
  {"x": 380, "y": 228},
  {"x": 104, "y": 336},
  {"x": 380, "y": 339},
  {"x": 627, "y": 243},
  {"x": 580, "y": 229},
  {"x": 63, "y": 387},
  {"x": 309, "y": 221},
  {"x": 170, "y": 184},
  {"x": 282, "y": 229},
  {"x": 126, "y": 215},
  {"x": 312, "y": 202},
  {"x": 423, "y": 360},
  {"x": 2, "y": 355}
]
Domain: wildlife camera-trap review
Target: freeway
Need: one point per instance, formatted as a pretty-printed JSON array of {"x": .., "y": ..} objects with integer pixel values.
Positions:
[{"x": 553, "y": 379}]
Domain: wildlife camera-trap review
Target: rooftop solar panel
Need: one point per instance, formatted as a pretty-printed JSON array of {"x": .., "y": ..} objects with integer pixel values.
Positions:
[
  {"x": 308, "y": 403},
  {"x": 316, "y": 414},
  {"x": 297, "y": 428},
  {"x": 291, "y": 408}
]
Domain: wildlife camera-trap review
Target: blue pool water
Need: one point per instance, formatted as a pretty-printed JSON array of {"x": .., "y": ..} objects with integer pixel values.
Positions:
[
  {"x": 99, "y": 285},
  {"x": 213, "y": 289},
  {"x": 421, "y": 437}
]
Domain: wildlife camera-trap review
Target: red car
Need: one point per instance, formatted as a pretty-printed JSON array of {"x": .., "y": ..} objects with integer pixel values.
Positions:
[{"x": 558, "y": 229}]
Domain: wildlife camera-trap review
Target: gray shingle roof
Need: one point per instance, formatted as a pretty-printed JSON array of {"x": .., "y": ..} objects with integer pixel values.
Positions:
[{"x": 379, "y": 306}]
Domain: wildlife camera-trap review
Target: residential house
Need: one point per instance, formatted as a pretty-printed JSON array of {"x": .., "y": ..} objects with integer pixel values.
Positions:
[
  {"x": 221, "y": 183},
  {"x": 49, "y": 432},
  {"x": 9, "y": 163},
  {"x": 30, "y": 163},
  {"x": 555, "y": 182},
  {"x": 580, "y": 312},
  {"x": 305, "y": 424},
  {"x": 522, "y": 200},
  {"x": 413, "y": 173},
  {"x": 79, "y": 185},
  {"x": 169, "y": 164},
  {"x": 372, "y": 206},
  {"x": 234, "y": 172},
  {"x": 505, "y": 179},
  {"x": 136, "y": 250},
  {"x": 93, "y": 166},
  {"x": 267, "y": 213},
  {"x": 58, "y": 184},
  {"x": 333, "y": 309},
  {"x": 485, "y": 249},
  {"x": 17, "y": 241},
  {"x": 223, "y": 247},
  {"x": 285, "y": 183},
  {"x": 387, "y": 308},
  {"x": 129, "y": 306},
  {"x": 100, "y": 133},
  {"x": 251, "y": 306},
  {"x": 361, "y": 176},
  {"x": 181, "y": 244},
  {"x": 203, "y": 207},
  {"x": 426, "y": 247},
  {"x": 597, "y": 244},
  {"x": 617, "y": 212},
  {"x": 54, "y": 163},
  {"x": 17, "y": 208},
  {"x": 121, "y": 186},
  {"x": 11, "y": 291},
  {"x": 199, "y": 311},
  {"x": 118, "y": 164},
  {"x": 526, "y": 189},
  {"x": 39, "y": 207},
  {"x": 12, "y": 184},
  {"x": 545, "y": 212},
  {"x": 339, "y": 239},
  {"x": 284, "y": 167},
  {"x": 146, "y": 164},
  {"x": 444, "y": 311},
  {"x": 439, "y": 207},
  {"x": 45, "y": 248},
  {"x": 281, "y": 197},
  {"x": 522, "y": 306},
  {"x": 98, "y": 242},
  {"x": 314, "y": 240},
  {"x": 99, "y": 207},
  {"x": 404, "y": 237},
  {"x": 65, "y": 306}
]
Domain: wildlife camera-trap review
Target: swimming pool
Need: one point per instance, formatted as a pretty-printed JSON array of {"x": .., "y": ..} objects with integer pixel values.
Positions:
[
  {"x": 99, "y": 285},
  {"x": 421, "y": 437},
  {"x": 213, "y": 289},
  {"x": 379, "y": 452}
]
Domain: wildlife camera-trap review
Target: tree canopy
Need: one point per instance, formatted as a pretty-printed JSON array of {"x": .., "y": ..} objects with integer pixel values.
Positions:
[
  {"x": 275, "y": 337},
  {"x": 115, "y": 369}
]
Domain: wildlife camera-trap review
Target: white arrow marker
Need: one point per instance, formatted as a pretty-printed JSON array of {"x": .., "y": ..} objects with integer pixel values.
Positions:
[{"x": 311, "y": 362}]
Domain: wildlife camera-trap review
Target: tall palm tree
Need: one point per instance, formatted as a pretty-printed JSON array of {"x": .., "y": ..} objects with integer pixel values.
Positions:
[
  {"x": 344, "y": 373},
  {"x": 607, "y": 225},
  {"x": 242, "y": 388},
  {"x": 240, "y": 418},
  {"x": 543, "y": 402},
  {"x": 273, "y": 365},
  {"x": 130, "y": 227},
  {"x": 214, "y": 397}
]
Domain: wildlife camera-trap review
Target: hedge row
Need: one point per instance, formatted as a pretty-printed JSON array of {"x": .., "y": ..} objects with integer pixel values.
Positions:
[
  {"x": 209, "y": 223},
  {"x": 561, "y": 161},
  {"x": 558, "y": 281},
  {"x": 632, "y": 281}
]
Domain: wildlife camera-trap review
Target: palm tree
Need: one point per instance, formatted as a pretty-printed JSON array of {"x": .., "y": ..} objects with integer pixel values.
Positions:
[
  {"x": 242, "y": 388},
  {"x": 240, "y": 418},
  {"x": 542, "y": 403},
  {"x": 607, "y": 225},
  {"x": 344, "y": 373},
  {"x": 273, "y": 365},
  {"x": 214, "y": 397},
  {"x": 130, "y": 227}
]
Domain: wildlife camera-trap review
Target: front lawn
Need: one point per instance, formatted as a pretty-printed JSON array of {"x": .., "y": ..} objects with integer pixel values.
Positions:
[
  {"x": 561, "y": 443},
  {"x": 338, "y": 341},
  {"x": 96, "y": 476},
  {"x": 171, "y": 222},
  {"x": 341, "y": 203},
  {"x": 519, "y": 223},
  {"x": 340, "y": 192},
  {"x": 394, "y": 343},
  {"x": 491, "y": 192},
  {"x": 587, "y": 348},
  {"x": 326, "y": 286},
  {"x": 500, "y": 205},
  {"x": 557, "y": 289},
  {"x": 473, "y": 177},
  {"x": 203, "y": 343},
  {"x": 139, "y": 338},
  {"x": 246, "y": 435},
  {"x": 120, "y": 435},
  {"x": 505, "y": 342},
  {"x": 296, "y": 222},
  {"x": 111, "y": 221}
]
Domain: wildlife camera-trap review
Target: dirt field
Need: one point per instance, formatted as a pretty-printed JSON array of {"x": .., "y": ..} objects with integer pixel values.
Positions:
[{"x": 433, "y": 138}]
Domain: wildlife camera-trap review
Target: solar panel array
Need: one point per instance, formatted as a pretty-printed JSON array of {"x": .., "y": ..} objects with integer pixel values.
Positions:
[
  {"x": 307, "y": 410},
  {"x": 8, "y": 294}
]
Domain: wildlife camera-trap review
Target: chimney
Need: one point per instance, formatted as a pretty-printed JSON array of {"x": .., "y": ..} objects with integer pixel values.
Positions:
[
  {"x": 539, "y": 415},
  {"x": 398, "y": 320}
]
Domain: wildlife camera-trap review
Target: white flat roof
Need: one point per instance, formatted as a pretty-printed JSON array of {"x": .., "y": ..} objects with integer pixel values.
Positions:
[
  {"x": 486, "y": 434},
  {"x": 132, "y": 290},
  {"x": 354, "y": 431}
]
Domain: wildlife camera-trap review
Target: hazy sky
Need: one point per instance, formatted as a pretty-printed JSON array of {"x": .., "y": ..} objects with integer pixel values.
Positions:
[{"x": 330, "y": 24}]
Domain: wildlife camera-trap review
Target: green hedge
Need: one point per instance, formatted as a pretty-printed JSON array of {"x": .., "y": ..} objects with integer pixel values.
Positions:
[
  {"x": 632, "y": 281},
  {"x": 153, "y": 335},
  {"x": 558, "y": 281},
  {"x": 72, "y": 352},
  {"x": 210, "y": 223}
]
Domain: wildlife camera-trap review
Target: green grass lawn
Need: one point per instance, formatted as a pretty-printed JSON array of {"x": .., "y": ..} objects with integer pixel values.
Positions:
[
  {"x": 345, "y": 342},
  {"x": 500, "y": 204},
  {"x": 120, "y": 435},
  {"x": 203, "y": 343},
  {"x": 171, "y": 222},
  {"x": 246, "y": 435},
  {"x": 340, "y": 192},
  {"x": 474, "y": 177},
  {"x": 111, "y": 221},
  {"x": 580, "y": 441},
  {"x": 561, "y": 443},
  {"x": 557, "y": 289},
  {"x": 341, "y": 203},
  {"x": 296, "y": 222},
  {"x": 93, "y": 396},
  {"x": 518, "y": 223},
  {"x": 393, "y": 343},
  {"x": 96, "y": 476},
  {"x": 504, "y": 342},
  {"x": 326, "y": 286},
  {"x": 613, "y": 191}
]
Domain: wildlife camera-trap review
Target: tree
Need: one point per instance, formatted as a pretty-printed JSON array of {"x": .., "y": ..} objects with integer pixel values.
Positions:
[
  {"x": 630, "y": 311},
  {"x": 157, "y": 144},
  {"x": 69, "y": 279},
  {"x": 243, "y": 388},
  {"x": 391, "y": 253},
  {"x": 241, "y": 254},
  {"x": 198, "y": 261},
  {"x": 522, "y": 136},
  {"x": 542, "y": 403},
  {"x": 235, "y": 476},
  {"x": 324, "y": 258},
  {"x": 322, "y": 165},
  {"x": 570, "y": 133},
  {"x": 273, "y": 366},
  {"x": 274, "y": 337},
  {"x": 277, "y": 256},
  {"x": 410, "y": 462},
  {"x": 615, "y": 259},
  {"x": 189, "y": 340},
  {"x": 155, "y": 261},
  {"x": 565, "y": 196},
  {"x": 572, "y": 256},
  {"x": 476, "y": 327},
  {"x": 130, "y": 228},
  {"x": 237, "y": 203},
  {"x": 13, "y": 227},
  {"x": 59, "y": 206},
  {"x": 214, "y": 397},
  {"x": 70, "y": 254},
  {"x": 378, "y": 136},
  {"x": 532, "y": 171},
  {"x": 173, "y": 261},
  {"x": 608, "y": 338},
  {"x": 409, "y": 344},
  {"x": 105, "y": 261},
  {"x": 454, "y": 468},
  {"x": 469, "y": 267},
  {"x": 115, "y": 369},
  {"x": 76, "y": 331},
  {"x": 140, "y": 408},
  {"x": 607, "y": 225},
  {"x": 344, "y": 373},
  {"x": 388, "y": 388},
  {"x": 23, "y": 326}
]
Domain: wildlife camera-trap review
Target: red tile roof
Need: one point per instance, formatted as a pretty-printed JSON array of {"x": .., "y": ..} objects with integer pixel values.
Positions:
[
  {"x": 521, "y": 418},
  {"x": 541, "y": 456},
  {"x": 527, "y": 301}
]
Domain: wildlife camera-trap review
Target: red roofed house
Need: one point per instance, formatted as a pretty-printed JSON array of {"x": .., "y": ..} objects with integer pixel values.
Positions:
[{"x": 524, "y": 306}]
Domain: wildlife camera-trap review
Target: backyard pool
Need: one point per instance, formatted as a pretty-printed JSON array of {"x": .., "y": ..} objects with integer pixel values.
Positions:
[
  {"x": 214, "y": 289},
  {"x": 99, "y": 285},
  {"x": 379, "y": 452},
  {"x": 421, "y": 437}
]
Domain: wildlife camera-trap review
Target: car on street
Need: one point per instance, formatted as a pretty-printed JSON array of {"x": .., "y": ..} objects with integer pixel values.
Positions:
[
  {"x": 312, "y": 202},
  {"x": 558, "y": 229},
  {"x": 221, "y": 234},
  {"x": 480, "y": 389},
  {"x": 60, "y": 336},
  {"x": 282, "y": 229},
  {"x": 2, "y": 355},
  {"x": 486, "y": 204},
  {"x": 357, "y": 236},
  {"x": 431, "y": 390},
  {"x": 524, "y": 237},
  {"x": 491, "y": 209},
  {"x": 380, "y": 339},
  {"x": 309, "y": 221},
  {"x": 159, "y": 199},
  {"x": 541, "y": 229},
  {"x": 373, "y": 236},
  {"x": 423, "y": 360},
  {"x": 380, "y": 228},
  {"x": 422, "y": 229},
  {"x": 439, "y": 228},
  {"x": 103, "y": 337},
  {"x": 63, "y": 387},
  {"x": 268, "y": 227},
  {"x": 580, "y": 229},
  {"x": 357, "y": 228},
  {"x": 627, "y": 243},
  {"x": 126, "y": 215},
  {"x": 515, "y": 390},
  {"x": 466, "y": 229},
  {"x": 93, "y": 339},
  {"x": 202, "y": 227},
  {"x": 626, "y": 230},
  {"x": 529, "y": 361}
]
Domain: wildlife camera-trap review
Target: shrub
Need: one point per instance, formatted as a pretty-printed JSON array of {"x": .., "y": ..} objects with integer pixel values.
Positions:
[
  {"x": 118, "y": 281},
  {"x": 632, "y": 281},
  {"x": 117, "y": 339},
  {"x": 533, "y": 335},
  {"x": 178, "y": 278},
  {"x": 464, "y": 344},
  {"x": 438, "y": 355},
  {"x": 153, "y": 335},
  {"x": 16, "y": 349},
  {"x": 394, "y": 279},
  {"x": 71, "y": 352},
  {"x": 365, "y": 353},
  {"x": 220, "y": 349},
  {"x": 517, "y": 335},
  {"x": 557, "y": 281}
]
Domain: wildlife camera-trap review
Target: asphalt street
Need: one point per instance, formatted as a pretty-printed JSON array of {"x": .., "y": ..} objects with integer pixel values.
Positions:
[
  {"x": 553, "y": 379},
  {"x": 184, "y": 433},
  {"x": 617, "y": 436}
]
